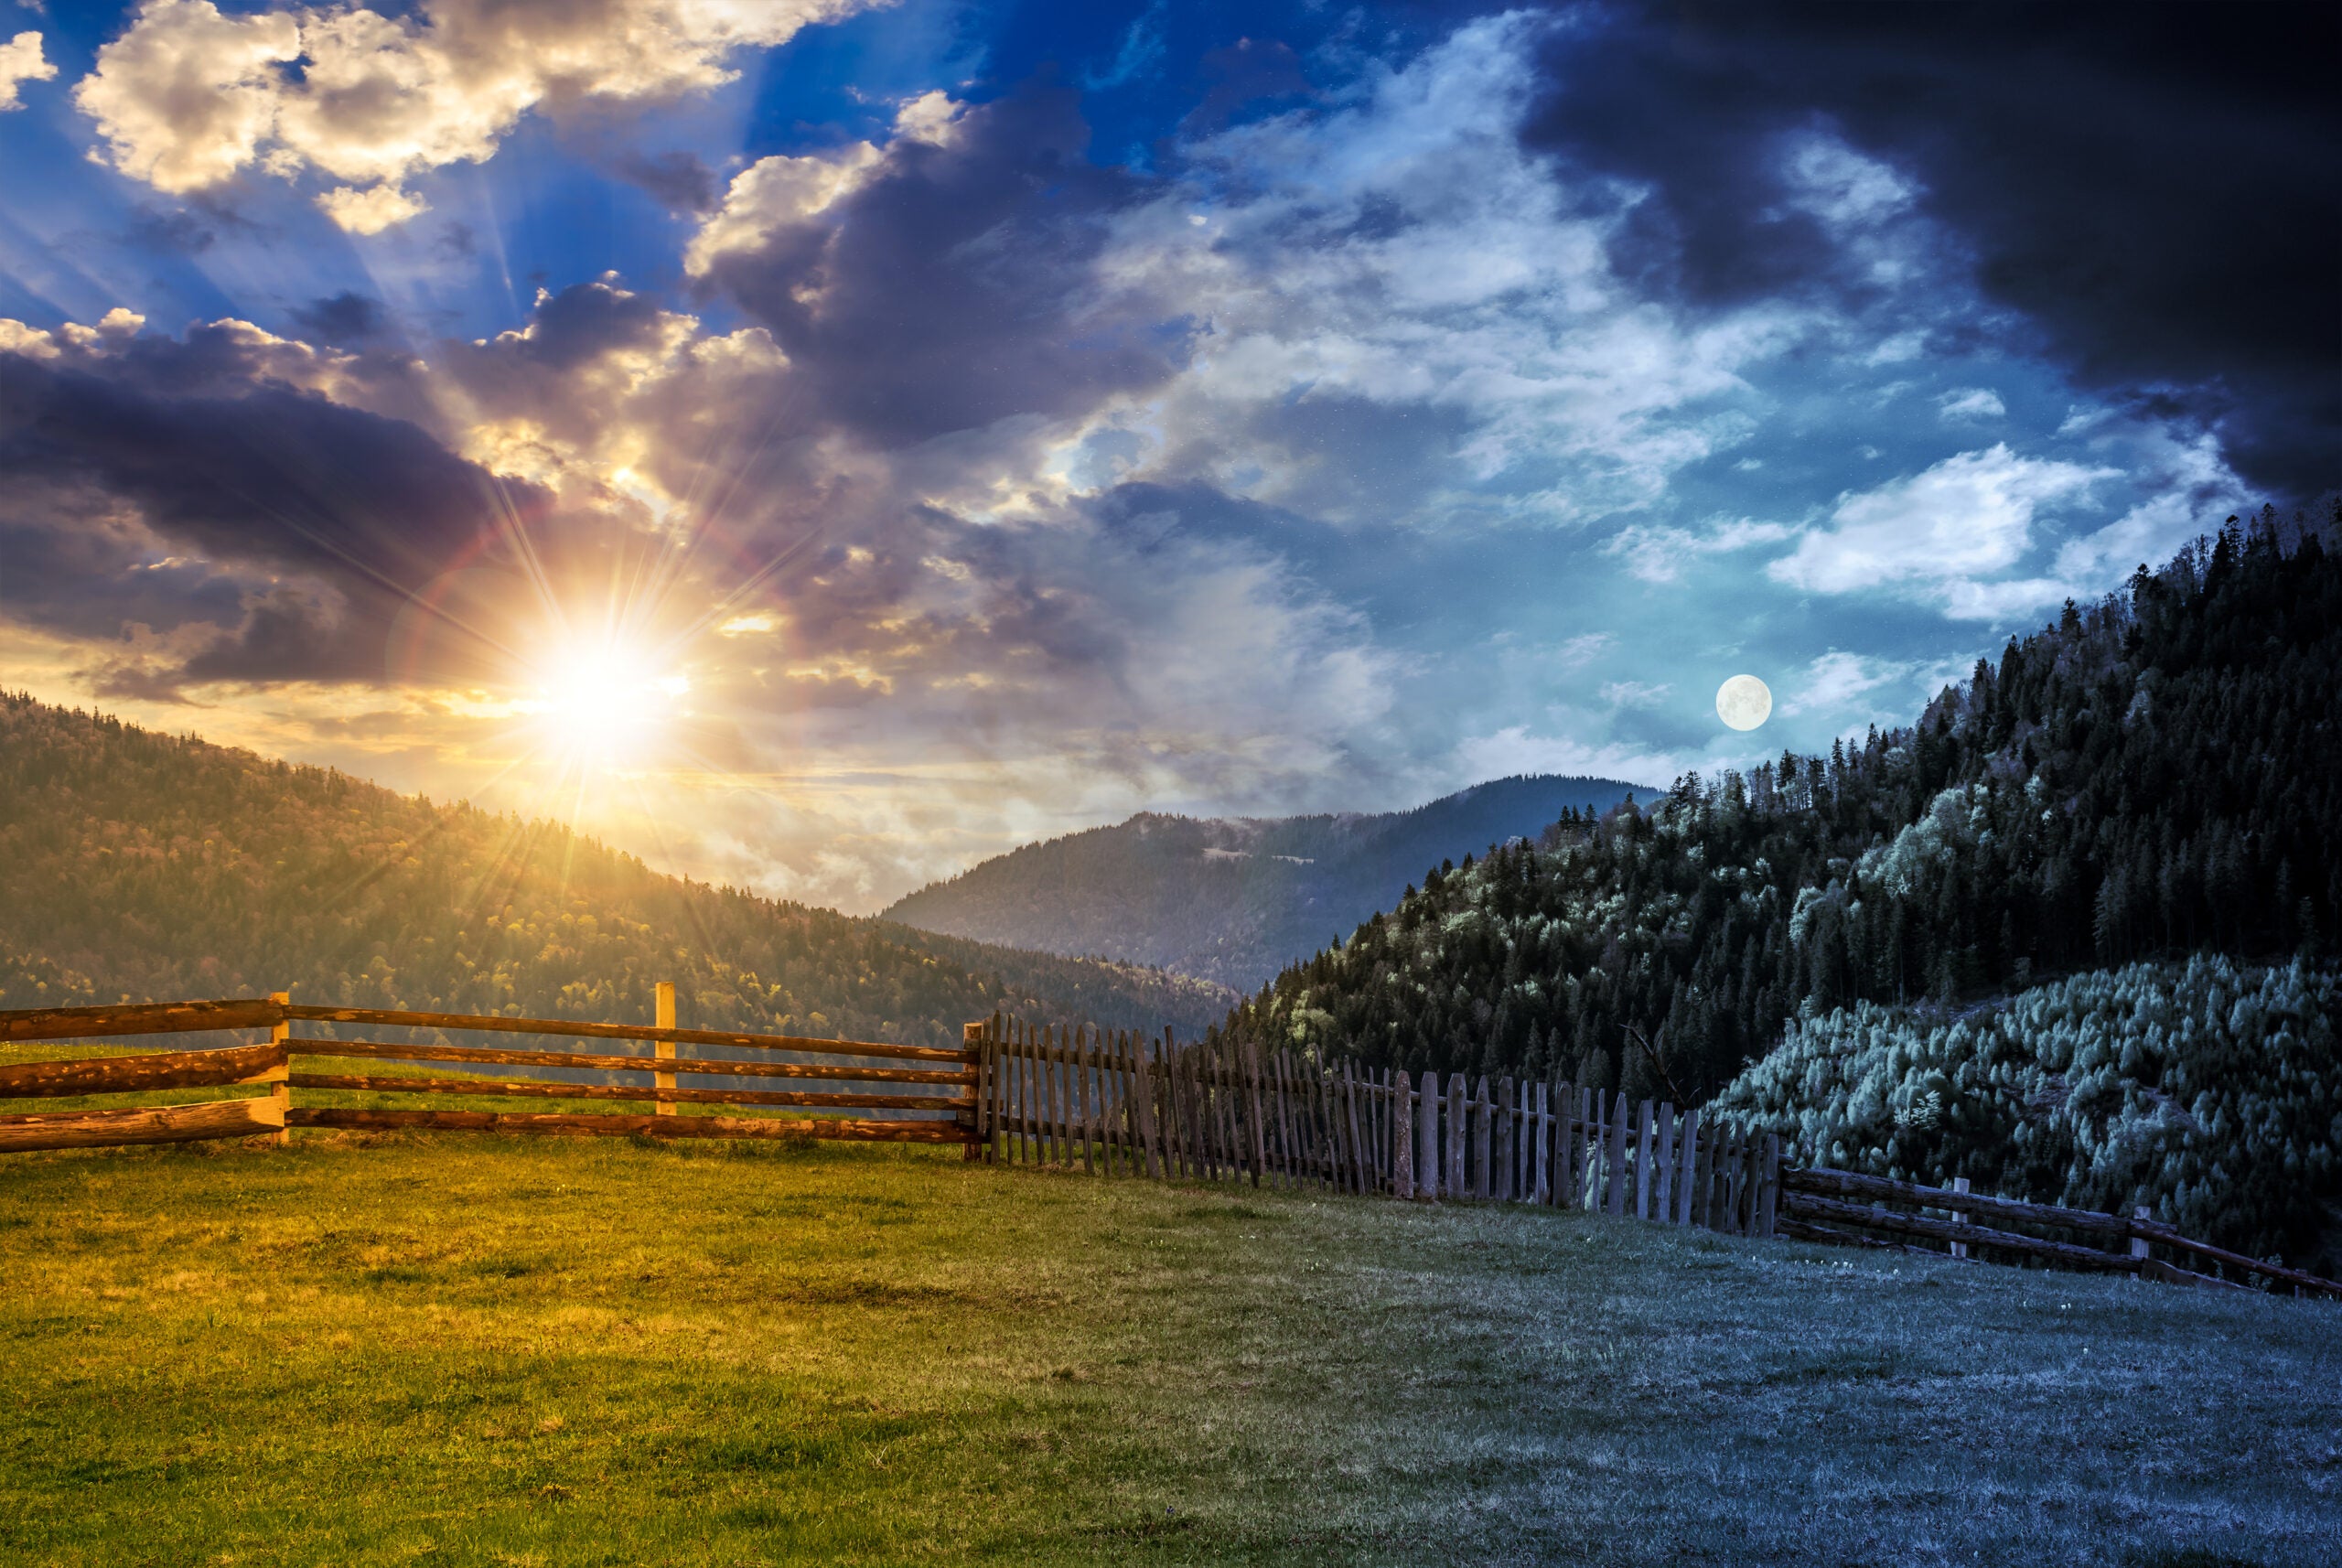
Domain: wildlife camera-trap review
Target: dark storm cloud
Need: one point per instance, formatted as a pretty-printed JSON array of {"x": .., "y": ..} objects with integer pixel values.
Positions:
[
  {"x": 952, "y": 288},
  {"x": 2153, "y": 186},
  {"x": 338, "y": 517},
  {"x": 342, "y": 319},
  {"x": 677, "y": 181}
]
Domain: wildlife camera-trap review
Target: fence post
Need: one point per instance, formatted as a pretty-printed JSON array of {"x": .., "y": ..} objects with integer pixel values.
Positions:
[
  {"x": 1663, "y": 1208},
  {"x": 1428, "y": 1138},
  {"x": 1503, "y": 1155},
  {"x": 1477, "y": 1123},
  {"x": 1541, "y": 1162},
  {"x": 664, "y": 1050},
  {"x": 1452, "y": 1177},
  {"x": 1689, "y": 1162},
  {"x": 1960, "y": 1249},
  {"x": 972, "y": 1038},
  {"x": 1614, "y": 1196},
  {"x": 280, "y": 1091},
  {"x": 1252, "y": 1055},
  {"x": 2139, "y": 1253},
  {"x": 1402, "y": 1135},
  {"x": 1769, "y": 1210},
  {"x": 1644, "y": 1185}
]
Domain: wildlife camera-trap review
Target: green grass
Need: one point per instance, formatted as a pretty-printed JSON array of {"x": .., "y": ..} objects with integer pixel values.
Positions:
[{"x": 468, "y": 1349}]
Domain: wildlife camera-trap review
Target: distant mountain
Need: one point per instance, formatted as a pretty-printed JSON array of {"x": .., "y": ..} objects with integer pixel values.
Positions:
[
  {"x": 149, "y": 866},
  {"x": 1234, "y": 900}
]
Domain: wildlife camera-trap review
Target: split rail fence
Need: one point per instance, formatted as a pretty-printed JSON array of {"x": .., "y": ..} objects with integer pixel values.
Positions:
[
  {"x": 1839, "y": 1205},
  {"x": 930, "y": 1091},
  {"x": 1119, "y": 1101}
]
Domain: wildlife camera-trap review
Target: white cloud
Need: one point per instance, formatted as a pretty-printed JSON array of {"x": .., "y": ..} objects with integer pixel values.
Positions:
[
  {"x": 1658, "y": 554},
  {"x": 1936, "y": 533},
  {"x": 773, "y": 193},
  {"x": 187, "y": 95},
  {"x": 1841, "y": 186},
  {"x": 1971, "y": 402},
  {"x": 1834, "y": 680},
  {"x": 21, "y": 61},
  {"x": 371, "y": 210},
  {"x": 1400, "y": 256},
  {"x": 1635, "y": 693},
  {"x": 1580, "y": 651}
]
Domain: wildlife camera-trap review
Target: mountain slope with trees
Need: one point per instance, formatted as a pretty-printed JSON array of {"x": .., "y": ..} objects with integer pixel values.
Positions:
[
  {"x": 2154, "y": 775},
  {"x": 2205, "y": 1091},
  {"x": 150, "y": 867},
  {"x": 1233, "y": 900}
]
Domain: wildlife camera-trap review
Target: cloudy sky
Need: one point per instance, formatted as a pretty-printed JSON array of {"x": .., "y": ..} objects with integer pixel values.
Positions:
[{"x": 819, "y": 442}]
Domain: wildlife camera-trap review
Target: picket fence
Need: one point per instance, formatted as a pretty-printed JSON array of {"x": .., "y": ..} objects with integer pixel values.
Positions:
[{"x": 1112, "y": 1102}]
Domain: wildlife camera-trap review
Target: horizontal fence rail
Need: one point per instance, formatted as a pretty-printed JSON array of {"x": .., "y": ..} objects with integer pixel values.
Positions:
[
  {"x": 1822, "y": 1205},
  {"x": 929, "y": 1092}
]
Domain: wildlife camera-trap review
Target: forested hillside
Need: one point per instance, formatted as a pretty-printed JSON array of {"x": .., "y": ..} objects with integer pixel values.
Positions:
[
  {"x": 2158, "y": 774},
  {"x": 1233, "y": 900},
  {"x": 151, "y": 866},
  {"x": 2205, "y": 1091}
]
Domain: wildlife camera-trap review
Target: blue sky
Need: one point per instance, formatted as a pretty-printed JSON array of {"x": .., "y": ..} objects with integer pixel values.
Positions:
[{"x": 818, "y": 444}]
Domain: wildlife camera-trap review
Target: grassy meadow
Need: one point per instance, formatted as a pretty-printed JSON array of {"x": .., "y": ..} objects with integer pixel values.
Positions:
[{"x": 469, "y": 1349}]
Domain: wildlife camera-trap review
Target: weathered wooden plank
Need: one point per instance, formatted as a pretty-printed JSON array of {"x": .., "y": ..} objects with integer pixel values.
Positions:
[
  {"x": 1832, "y": 1211},
  {"x": 1769, "y": 1188},
  {"x": 540, "y": 1089},
  {"x": 1614, "y": 1196},
  {"x": 138, "y": 1074},
  {"x": 1504, "y": 1157},
  {"x": 139, "y": 1018},
  {"x": 24, "y": 1132},
  {"x": 1853, "y": 1184},
  {"x": 663, "y": 1014},
  {"x": 1091, "y": 1096},
  {"x": 1476, "y": 1114},
  {"x": 489, "y": 1023},
  {"x": 1452, "y": 1180},
  {"x": 1255, "y": 1104},
  {"x": 1687, "y": 1162},
  {"x": 1060, "y": 1071},
  {"x": 1662, "y": 1206},
  {"x": 1403, "y": 1137},
  {"x": 1644, "y": 1186},
  {"x": 1542, "y": 1157},
  {"x": 1362, "y": 1179},
  {"x": 1135, "y": 1048},
  {"x": 279, "y": 1090},
  {"x": 1226, "y": 1113},
  {"x": 586, "y": 1126},
  {"x": 687, "y": 1066}
]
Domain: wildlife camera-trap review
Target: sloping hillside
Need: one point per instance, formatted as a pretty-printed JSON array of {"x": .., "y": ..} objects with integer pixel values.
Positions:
[
  {"x": 2207, "y": 1091},
  {"x": 1233, "y": 900},
  {"x": 2154, "y": 775},
  {"x": 148, "y": 866}
]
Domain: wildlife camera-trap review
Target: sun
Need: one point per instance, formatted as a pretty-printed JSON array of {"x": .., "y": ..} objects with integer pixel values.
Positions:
[{"x": 603, "y": 702}]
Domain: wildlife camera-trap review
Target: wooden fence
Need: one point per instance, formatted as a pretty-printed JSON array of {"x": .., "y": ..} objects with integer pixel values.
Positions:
[
  {"x": 1115, "y": 1100},
  {"x": 1103, "y": 1101},
  {"x": 931, "y": 1091},
  {"x": 1841, "y": 1205}
]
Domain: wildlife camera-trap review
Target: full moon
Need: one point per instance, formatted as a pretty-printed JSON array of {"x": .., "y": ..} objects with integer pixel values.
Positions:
[{"x": 1744, "y": 702}]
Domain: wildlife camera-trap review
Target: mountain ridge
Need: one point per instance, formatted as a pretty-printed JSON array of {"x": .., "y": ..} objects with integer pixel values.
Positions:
[{"x": 1233, "y": 899}]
